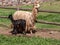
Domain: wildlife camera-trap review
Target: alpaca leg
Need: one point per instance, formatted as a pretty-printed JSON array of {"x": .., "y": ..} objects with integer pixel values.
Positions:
[
  {"x": 25, "y": 29},
  {"x": 14, "y": 30},
  {"x": 31, "y": 31},
  {"x": 34, "y": 27},
  {"x": 24, "y": 32}
]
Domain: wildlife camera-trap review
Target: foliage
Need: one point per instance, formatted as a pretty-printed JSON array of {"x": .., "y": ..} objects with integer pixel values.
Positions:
[{"x": 14, "y": 40}]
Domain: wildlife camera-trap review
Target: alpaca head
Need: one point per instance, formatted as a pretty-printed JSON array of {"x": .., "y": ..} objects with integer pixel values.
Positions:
[
  {"x": 36, "y": 4},
  {"x": 35, "y": 9}
]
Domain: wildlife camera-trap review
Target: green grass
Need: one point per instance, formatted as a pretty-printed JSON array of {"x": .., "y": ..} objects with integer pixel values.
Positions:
[
  {"x": 48, "y": 26},
  {"x": 5, "y": 21},
  {"x": 55, "y": 6},
  {"x": 6, "y": 12},
  {"x": 14, "y": 40},
  {"x": 51, "y": 17}
]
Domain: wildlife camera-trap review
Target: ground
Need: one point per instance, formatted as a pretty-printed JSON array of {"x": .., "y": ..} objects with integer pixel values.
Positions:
[{"x": 40, "y": 33}]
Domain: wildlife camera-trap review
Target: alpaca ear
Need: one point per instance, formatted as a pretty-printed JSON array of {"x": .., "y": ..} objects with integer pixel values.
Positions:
[{"x": 36, "y": 4}]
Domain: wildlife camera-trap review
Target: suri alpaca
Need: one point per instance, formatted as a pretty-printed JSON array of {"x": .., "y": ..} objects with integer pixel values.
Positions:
[
  {"x": 28, "y": 16},
  {"x": 18, "y": 25}
]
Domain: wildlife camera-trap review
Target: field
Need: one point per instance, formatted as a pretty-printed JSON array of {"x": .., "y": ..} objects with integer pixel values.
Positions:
[{"x": 16, "y": 40}]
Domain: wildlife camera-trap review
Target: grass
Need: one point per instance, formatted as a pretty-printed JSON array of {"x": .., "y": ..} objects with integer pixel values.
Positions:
[
  {"x": 55, "y": 6},
  {"x": 6, "y": 12},
  {"x": 51, "y": 17},
  {"x": 14, "y": 40},
  {"x": 4, "y": 21},
  {"x": 43, "y": 26}
]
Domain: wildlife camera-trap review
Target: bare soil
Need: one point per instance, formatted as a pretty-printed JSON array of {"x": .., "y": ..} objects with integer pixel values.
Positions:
[{"x": 40, "y": 33}]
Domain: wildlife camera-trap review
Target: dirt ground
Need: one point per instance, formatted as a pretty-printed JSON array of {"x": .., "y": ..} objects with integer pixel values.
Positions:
[{"x": 40, "y": 33}]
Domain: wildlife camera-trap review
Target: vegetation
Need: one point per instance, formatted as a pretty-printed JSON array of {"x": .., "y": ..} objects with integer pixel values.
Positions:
[{"x": 14, "y": 40}]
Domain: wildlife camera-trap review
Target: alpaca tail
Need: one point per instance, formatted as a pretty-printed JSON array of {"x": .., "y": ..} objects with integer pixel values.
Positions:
[{"x": 11, "y": 18}]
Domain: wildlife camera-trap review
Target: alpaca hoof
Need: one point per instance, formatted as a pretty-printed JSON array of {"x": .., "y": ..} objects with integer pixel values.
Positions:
[
  {"x": 14, "y": 33},
  {"x": 34, "y": 31},
  {"x": 31, "y": 32},
  {"x": 24, "y": 33}
]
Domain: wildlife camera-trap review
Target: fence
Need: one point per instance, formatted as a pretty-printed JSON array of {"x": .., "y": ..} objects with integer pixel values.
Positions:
[
  {"x": 38, "y": 21},
  {"x": 49, "y": 11}
]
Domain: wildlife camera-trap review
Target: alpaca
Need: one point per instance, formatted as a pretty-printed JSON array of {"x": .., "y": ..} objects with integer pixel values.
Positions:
[
  {"x": 28, "y": 16},
  {"x": 18, "y": 25},
  {"x": 24, "y": 14}
]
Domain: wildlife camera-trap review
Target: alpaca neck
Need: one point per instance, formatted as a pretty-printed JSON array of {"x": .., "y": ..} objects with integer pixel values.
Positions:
[{"x": 34, "y": 12}]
